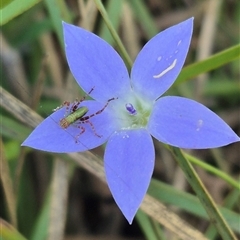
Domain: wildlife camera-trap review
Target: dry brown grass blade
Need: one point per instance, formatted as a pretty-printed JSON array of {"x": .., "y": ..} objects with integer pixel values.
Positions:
[
  {"x": 207, "y": 40},
  {"x": 51, "y": 58},
  {"x": 91, "y": 163},
  {"x": 58, "y": 204},
  {"x": 88, "y": 13},
  {"x": 8, "y": 186},
  {"x": 130, "y": 32},
  {"x": 12, "y": 65}
]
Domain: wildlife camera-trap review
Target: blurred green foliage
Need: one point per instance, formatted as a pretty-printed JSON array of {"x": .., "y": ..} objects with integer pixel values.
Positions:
[{"x": 34, "y": 70}]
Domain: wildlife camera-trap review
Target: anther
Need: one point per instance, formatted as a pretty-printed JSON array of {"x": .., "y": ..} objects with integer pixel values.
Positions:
[{"x": 131, "y": 109}]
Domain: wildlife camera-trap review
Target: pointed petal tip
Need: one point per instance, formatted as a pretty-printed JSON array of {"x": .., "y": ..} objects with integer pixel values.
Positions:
[
  {"x": 91, "y": 57},
  {"x": 237, "y": 139},
  {"x": 185, "y": 123},
  {"x": 23, "y": 144},
  {"x": 65, "y": 24},
  {"x": 129, "y": 215},
  {"x": 126, "y": 179},
  {"x": 130, "y": 219},
  {"x": 165, "y": 55},
  {"x": 190, "y": 19},
  {"x": 49, "y": 136}
]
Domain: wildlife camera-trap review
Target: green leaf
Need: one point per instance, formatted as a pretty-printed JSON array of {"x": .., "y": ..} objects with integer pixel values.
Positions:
[
  {"x": 213, "y": 62},
  {"x": 58, "y": 12},
  {"x": 222, "y": 87},
  {"x": 144, "y": 17},
  {"x": 15, "y": 8},
  {"x": 114, "y": 10},
  {"x": 205, "y": 198},
  {"x": 41, "y": 225},
  {"x": 4, "y": 3},
  {"x": 146, "y": 225},
  {"x": 187, "y": 202},
  {"x": 151, "y": 229},
  {"x": 12, "y": 129},
  {"x": 8, "y": 232},
  {"x": 115, "y": 36},
  {"x": 212, "y": 170}
]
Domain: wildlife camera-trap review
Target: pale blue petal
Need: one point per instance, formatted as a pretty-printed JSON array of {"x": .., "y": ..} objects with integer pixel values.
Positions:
[
  {"x": 95, "y": 64},
  {"x": 49, "y": 136},
  {"x": 129, "y": 162},
  {"x": 161, "y": 59},
  {"x": 188, "y": 124}
]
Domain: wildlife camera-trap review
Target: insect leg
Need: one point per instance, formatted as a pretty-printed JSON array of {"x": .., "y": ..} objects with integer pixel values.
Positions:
[
  {"x": 64, "y": 104},
  {"x": 92, "y": 126},
  {"x": 74, "y": 105},
  {"x": 77, "y": 102},
  {"x": 98, "y": 112},
  {"x": 82, "y": 131}
]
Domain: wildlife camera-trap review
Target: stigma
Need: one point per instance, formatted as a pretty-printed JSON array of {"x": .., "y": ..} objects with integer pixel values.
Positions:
[{"x": 130, "y": 108}]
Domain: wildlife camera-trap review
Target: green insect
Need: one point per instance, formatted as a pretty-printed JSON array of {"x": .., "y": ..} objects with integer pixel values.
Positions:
[
  {"x": 77, "y": 115},
  {"x": 73, "y": 117}
]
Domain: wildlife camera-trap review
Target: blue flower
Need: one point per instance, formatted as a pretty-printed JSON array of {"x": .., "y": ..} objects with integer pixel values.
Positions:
[{"x": 134, "y": 110}]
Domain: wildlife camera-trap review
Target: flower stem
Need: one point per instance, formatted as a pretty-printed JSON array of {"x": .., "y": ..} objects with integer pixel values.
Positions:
[
  {"x": 115, "y": 36},
  {"x": 212, "y": 170},
  {"x": 203, "y": 195}
]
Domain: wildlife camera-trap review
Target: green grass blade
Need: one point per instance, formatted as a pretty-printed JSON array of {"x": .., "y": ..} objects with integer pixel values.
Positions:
[
  {"x": 206, "y": 200},
  {"x": 115, "y": 36},
  {"x": 4, "y": 3},
  {"x": 58, "y": 12},
  {"x": 12, "y": 129},
  {"x": 213, "y": 62},
  {"x": 144, "y": 17},
  {"x": 167, "y": 194},
  {"x": 8, "y": 232},
  {"x": 230, "y": 201},
  {"x": 15, "y": 8},
  {"x": 41, "y": 225},
  {"x": 145, "y": 225},
  {"x": 213, "y": 170},
  {"x": 113, "y": 9}
]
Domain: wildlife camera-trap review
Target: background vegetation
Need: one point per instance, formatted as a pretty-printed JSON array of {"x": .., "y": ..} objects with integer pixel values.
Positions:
[{"x": 53, "y": 196}]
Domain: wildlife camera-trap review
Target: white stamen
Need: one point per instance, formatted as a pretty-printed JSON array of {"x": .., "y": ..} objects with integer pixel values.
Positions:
[{"x": 166, "y": 70}]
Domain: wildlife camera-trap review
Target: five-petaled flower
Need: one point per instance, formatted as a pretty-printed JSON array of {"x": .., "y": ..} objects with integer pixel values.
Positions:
[{"x": 136, "y": 113}]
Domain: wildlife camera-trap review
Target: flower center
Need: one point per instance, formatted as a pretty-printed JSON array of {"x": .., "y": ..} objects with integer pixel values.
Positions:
[{"x": 135, "y": 113}]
